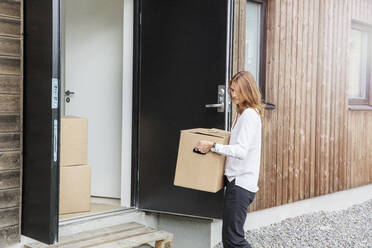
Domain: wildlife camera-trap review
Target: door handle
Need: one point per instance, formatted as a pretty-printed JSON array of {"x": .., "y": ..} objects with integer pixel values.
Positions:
[
  {"x": 68, "y": 93},
  {"x": 220, "y": 105},
  {"x": 215, "y": 105}
]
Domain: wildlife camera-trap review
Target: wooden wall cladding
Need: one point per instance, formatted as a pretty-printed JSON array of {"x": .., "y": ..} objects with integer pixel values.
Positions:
[
  {"x": 10, "y": 84},
  {"x": 11, "y": 94},
  {"x": 10, "y": 46},
  {"x": 359, "y": 143},
  {"x": 9, "y": 235},
  {"x": 10, "y": 66},
  {"x": 312, "y": 143},
  {"x": 10, "y": 27},
  {"x": 10, "y": 141},
  {"x": 10, "y": 103},
  {"x": 10, "y": 160},
  {"x": 9, "y": 217},
  {"x": 9, "y": 198},
  {"x": 10, "y": 123},
  {"x": 10, "y": 8},
  {"x": 9, "y": 179}
]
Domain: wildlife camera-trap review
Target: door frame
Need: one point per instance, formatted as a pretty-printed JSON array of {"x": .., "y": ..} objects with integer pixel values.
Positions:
[
  {"x": 43, "y": 78},
  {"x": 135, "y": 101},
  {"x": 126, "y": 102},
  {"x": 136, "y": 32},
  {"x": 127, "y": 176}
]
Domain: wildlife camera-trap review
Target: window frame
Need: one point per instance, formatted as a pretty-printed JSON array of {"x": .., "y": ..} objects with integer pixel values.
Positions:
[{"x": 367, "y": 100}]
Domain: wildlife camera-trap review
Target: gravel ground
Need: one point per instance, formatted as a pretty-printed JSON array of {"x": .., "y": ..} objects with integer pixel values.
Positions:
[{"x": 344, "y": 228}]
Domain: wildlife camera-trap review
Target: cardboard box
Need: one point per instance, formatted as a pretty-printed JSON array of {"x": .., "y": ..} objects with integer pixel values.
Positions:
[
  {"x": 198, "y": 171},
  {"x": 74, "y": 195},
  {"x": 74, "y": 141}
]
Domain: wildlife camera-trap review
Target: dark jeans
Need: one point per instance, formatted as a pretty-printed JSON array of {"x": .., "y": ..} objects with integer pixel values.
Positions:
[{"x": 236, "y": 202}]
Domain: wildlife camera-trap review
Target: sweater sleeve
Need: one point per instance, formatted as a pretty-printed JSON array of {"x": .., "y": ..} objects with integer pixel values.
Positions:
[{"x": 245, "y": 135}]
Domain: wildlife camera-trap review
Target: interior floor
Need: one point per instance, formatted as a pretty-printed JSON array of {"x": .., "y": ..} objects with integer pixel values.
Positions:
[{"x": 98, "y": 205}]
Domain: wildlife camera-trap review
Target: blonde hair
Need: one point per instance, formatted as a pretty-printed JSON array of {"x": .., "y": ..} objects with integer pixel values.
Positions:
[{"x": 249, "y": 90}]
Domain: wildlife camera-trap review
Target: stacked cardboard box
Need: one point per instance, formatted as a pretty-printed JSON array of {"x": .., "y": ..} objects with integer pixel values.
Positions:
[
  {"x": 74, "y": 169},
  {"x": 200, "y": 171}
]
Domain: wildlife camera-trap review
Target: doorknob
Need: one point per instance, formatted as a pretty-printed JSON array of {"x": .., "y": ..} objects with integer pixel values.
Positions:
[{"x": 220, "y": 105}]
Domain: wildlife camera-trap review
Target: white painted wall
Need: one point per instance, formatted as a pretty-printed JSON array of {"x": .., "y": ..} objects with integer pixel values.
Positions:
[{"x": 93, "y": 66}]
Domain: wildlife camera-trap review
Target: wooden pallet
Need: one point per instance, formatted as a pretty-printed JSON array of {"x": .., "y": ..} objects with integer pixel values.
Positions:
[{"x": 127, "y": 235}]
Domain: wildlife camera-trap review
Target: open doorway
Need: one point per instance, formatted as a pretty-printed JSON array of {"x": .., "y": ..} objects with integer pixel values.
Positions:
[{"x": 92, "y": 83}]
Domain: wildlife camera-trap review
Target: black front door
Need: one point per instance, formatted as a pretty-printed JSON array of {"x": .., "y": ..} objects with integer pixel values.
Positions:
[
  {"x": 180, "y": 60},
  {"x": 41, "y": 121}
]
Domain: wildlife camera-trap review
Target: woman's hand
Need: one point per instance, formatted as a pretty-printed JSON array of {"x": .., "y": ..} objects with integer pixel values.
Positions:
[{"x": 204, "y": 146}]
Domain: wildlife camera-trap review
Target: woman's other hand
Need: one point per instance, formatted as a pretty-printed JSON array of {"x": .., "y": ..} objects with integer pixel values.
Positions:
[{"x": 204, "y": 146}]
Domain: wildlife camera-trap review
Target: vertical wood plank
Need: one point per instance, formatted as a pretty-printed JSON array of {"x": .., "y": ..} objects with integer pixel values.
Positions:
[
  {"x": 305, "y": 57},
  {"x": 337, "y": 104},
  {"x": 275, "y": 82},
  {"x": 332, "y": 105},
  {"x": 343, "y": 85},
  {"x": 267, "y": 153},
  {"x": 315, "y": 97},
  {"x": 347, "y": 166},
  {"x": 281, "y": 82},
  {"x": 287, "y": 98},
  {"x": 328, "y": 96},
  {"x": 320, "y": 86},
  {"x": 305, "y": 184},
  {"x": 296, "y": 86}
]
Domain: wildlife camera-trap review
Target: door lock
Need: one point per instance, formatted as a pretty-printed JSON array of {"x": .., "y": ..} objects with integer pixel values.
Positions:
[
  {"x": 69, "y": 93},
  {"x": 220, "y": 105}
]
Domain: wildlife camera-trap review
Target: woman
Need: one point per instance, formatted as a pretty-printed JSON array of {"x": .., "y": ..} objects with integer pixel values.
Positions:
[{"x": 243, "y": 154}]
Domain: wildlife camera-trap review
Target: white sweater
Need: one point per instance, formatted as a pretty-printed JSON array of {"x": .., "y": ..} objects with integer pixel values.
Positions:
[{"x": 244, "y": 151}]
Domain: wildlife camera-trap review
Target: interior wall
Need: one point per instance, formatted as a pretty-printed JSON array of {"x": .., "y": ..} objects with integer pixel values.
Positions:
[{"x": 93, "y": 68}]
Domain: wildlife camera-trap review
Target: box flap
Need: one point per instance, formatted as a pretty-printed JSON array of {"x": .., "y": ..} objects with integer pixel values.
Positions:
[
  {"x": 209, "y": 131},
  {"x": 71, "y": 117}
]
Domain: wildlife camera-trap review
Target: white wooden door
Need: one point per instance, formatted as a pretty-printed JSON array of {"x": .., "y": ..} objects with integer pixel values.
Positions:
[{"x": 92, "y": 50}]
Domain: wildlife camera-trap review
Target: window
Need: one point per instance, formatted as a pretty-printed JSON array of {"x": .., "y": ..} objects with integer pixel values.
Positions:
[
  {"x": 254, "y": 57},
  {"x": 252, "y": 39},
  {"x": 249, "y": 46},
  {"x": 359, "y": 64}
]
